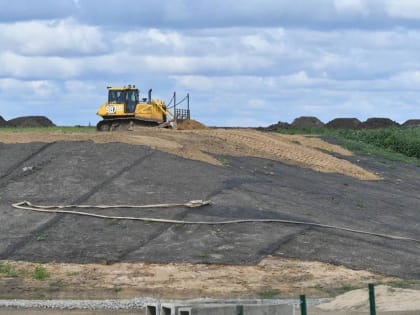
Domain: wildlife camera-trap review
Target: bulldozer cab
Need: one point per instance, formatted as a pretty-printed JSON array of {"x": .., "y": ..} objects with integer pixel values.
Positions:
[{"x": 129, "y": 97}]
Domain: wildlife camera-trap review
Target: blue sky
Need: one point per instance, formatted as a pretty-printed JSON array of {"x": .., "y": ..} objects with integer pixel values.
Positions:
[{"x": 244, "y": 63}]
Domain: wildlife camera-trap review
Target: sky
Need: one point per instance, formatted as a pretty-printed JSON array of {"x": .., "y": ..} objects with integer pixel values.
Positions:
[{"x": 243, "y": 62}]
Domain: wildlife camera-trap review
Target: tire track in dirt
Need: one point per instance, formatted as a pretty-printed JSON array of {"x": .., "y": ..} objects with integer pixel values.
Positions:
[
  {"x": 273, "y": 247},
  {"x": 9, "y": 172},
  {"x": 286, "y": 150},
  {"x": 162, "y": 229}
]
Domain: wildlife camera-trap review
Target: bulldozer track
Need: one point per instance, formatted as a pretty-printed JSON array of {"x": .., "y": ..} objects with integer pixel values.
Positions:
[
  {"x": 18, "y": 165},
  {"x": 272, "y": 248},
  {"x": 154, "y": 235},
  {"x": 123, "y": 124}
]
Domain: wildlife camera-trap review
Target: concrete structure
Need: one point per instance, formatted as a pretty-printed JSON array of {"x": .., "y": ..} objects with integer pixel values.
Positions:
[
  {"x": 226, "y": 306},
  {"x": 208, "y": 310},
  {"x": 254, "y": 309},
  {"x": 219, "y": 308},
  {"x": 153, "y": 308},
  {"x": 171, "y": 308}
]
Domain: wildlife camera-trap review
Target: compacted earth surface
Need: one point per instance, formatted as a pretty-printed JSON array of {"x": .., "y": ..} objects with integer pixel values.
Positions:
[{"x": 245, "y": 174}]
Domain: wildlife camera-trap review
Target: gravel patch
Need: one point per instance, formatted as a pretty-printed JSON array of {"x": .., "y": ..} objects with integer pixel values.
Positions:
[{"x": 138, "y": 303}]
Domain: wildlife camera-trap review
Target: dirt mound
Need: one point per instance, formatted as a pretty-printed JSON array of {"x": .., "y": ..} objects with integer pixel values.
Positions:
[
  {"x": 412, "y": 123},
  {"x": 279, "y": 125},
  {"x": 372, "y": 123},
  {"x": 307, "y": 122},
  {"x": 344, "y": 123},
  {"x": 30, "y": 121},
  {"x": 197, "y": 144},
  {"x": 3, "y": 122},
  {"x": 190, "y": 124}
]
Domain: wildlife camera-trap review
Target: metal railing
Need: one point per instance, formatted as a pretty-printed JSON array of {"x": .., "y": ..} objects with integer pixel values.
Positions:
[
  {"x": 372, "y": 304},
  {"x": 180, "y": 113}
]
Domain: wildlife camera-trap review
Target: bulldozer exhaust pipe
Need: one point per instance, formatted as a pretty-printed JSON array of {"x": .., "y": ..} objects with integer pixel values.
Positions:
[{"x": 149, "y": 99}]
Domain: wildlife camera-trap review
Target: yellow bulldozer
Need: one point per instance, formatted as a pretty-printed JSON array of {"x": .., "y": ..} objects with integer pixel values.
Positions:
[{"x": 124, "y": 110}]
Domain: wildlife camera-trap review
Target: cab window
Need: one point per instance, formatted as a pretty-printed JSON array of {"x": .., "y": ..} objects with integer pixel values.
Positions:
[{"x": 115, "y": 97}]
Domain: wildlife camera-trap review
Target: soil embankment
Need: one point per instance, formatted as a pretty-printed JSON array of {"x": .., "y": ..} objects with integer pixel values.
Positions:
[{"x": 245, "y": 173}]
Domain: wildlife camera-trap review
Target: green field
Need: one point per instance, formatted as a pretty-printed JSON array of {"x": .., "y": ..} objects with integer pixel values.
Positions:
[
  {"x": 402, "y": 144},
  {"x": 49, "y": 129}
]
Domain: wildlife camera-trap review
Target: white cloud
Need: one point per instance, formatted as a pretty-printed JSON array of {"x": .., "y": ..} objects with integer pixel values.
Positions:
[
  {"x": 20, "y": 10},
  {"x": 134, "y": 64},
  {"x": 261, "y": 43},
  {"x": 407, "y": 80},
  {"x": 16, "y": 66},
  {"x": 65, "y": 102},
  {"x": 406, "y": 9},
  {"x": 54, "y": 37},
  {"x": 351, "y": 6},
  {"x": 273, "y": 61},
  {"x": 185, "y": 14},
  {"x": 149, "y": 40},
  {"x": 36, "y": 90},
  {"x": 257, "y": 103}
]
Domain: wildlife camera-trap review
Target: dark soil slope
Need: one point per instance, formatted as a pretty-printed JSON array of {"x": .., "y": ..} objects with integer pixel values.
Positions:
[{"x": 114, "y": 173}]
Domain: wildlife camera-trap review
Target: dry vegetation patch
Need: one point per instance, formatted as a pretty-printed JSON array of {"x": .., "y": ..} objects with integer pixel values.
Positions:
[{"x": 285, "y": 277}]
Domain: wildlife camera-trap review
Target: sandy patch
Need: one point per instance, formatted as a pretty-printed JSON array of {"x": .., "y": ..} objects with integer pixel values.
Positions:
[
  {"x": 282, "y": 277},
  {"x": 386, "y": 298},
  {"x": 304, "y": 151}
]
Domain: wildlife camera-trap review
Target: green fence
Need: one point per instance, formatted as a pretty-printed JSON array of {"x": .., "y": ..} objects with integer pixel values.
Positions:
[{"x": 372, "y": 305}]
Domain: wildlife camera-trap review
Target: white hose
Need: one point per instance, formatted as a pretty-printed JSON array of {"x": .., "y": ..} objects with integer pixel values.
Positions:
[{"x": 26, "y": 205}]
